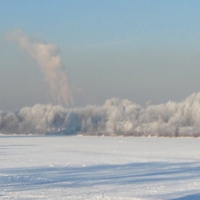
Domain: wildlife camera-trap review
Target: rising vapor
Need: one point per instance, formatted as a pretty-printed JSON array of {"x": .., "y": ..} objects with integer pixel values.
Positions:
[
  {"x": 114, "y": 118},
  {"x": 48, "y": 58}
]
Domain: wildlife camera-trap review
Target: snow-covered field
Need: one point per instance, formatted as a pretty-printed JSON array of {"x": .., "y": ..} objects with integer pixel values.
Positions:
[{"x": 99, "y": 168}]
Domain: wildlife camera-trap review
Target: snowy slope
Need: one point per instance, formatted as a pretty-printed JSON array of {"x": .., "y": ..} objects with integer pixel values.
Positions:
[{"x": 99, "y": 168}]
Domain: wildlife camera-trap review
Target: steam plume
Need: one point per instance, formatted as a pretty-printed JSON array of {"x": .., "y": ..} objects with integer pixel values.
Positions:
[
  {"x": 114, "y": 117},
  {"x": 48, "y": 58}
]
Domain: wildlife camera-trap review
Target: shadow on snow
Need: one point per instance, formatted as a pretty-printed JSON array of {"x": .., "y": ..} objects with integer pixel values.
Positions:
[
  {"x": 189, "y": 197},
  {"x": 20, "y": 179}
]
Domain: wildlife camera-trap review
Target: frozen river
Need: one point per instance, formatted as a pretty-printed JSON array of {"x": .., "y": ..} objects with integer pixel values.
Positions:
[{"x": 99, "y": 168}]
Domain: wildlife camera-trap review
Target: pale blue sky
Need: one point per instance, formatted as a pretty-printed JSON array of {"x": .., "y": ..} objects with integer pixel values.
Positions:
[{"x": 136, "y": 49}]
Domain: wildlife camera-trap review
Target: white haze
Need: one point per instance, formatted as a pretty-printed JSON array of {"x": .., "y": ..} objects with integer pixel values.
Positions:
[
  {"x": 48, "y": 58},
  {"x": 114, "y": 117}
]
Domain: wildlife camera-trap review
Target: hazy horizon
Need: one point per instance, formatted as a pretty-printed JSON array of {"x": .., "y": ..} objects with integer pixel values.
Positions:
[{"x": 137, "y": 50}]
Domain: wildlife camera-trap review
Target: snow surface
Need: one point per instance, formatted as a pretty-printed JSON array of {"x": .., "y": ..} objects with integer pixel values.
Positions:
[{"x": 109, "y": 168}]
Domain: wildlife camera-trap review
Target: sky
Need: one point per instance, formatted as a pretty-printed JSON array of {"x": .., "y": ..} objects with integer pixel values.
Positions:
[{"x": 141, "y": 50}]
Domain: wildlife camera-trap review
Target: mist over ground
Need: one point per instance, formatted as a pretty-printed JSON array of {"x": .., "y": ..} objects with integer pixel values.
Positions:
[{"x": 114, "y": 118}]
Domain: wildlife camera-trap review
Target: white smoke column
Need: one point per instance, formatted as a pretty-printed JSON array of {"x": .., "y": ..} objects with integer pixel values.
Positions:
[{"x": 48, "y": 58}]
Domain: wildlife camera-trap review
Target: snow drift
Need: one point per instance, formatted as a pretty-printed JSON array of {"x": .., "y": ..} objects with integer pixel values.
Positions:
[{"x": 114, "y": 117}]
